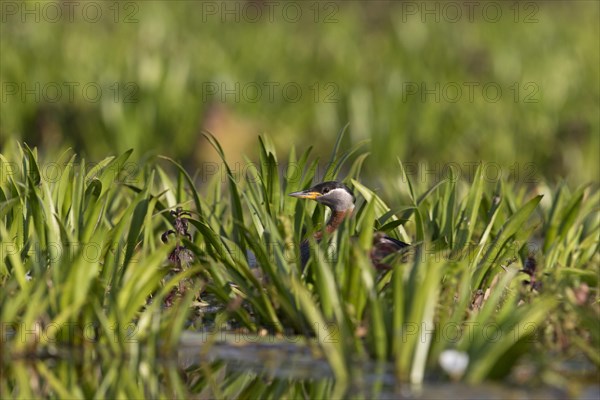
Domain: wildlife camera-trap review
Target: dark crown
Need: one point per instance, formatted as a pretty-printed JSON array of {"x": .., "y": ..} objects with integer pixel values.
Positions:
[{"x": 325, "y": 187}]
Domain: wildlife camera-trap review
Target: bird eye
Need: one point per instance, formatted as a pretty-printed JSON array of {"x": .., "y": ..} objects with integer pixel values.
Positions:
[{"x": 326, "y": 190}]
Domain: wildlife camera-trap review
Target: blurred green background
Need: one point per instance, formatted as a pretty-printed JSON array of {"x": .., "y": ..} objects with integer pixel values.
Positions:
[{"x": 513, "y": 84}]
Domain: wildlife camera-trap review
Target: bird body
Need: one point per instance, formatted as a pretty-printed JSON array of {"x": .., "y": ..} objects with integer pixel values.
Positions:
[{"x": 340, "y": 199}]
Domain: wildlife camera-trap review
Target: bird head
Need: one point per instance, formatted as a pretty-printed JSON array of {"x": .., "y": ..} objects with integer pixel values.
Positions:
[{"x": 333, "y": 194}]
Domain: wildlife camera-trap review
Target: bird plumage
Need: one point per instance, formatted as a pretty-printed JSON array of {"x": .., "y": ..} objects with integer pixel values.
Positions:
[{"x": 340, "y": 199}]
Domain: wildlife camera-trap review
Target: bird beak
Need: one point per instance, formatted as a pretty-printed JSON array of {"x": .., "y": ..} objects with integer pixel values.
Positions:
[{"x": 305, "y": 194}]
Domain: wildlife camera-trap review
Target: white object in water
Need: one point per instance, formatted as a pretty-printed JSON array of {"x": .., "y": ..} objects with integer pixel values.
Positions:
[{"x": 454, "y": 362}]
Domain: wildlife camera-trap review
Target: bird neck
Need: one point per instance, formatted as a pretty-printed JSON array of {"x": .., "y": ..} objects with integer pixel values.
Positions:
[{"x": 335, "y": 221}]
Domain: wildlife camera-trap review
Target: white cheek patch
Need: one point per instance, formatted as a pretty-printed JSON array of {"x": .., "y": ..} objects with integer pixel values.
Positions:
[{"x": 341, "y": 198}]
